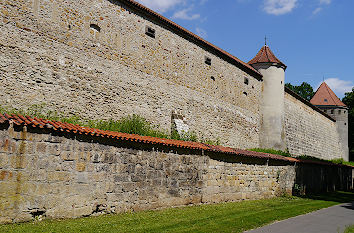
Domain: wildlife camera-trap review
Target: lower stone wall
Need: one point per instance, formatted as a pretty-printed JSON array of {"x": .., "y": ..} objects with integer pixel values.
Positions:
[
  {"x": 68, "y": 176},
  {"x": 309, "y": 132}
]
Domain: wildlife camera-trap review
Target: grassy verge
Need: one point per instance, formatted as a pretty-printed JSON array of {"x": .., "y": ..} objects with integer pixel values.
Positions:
[{"x": 228, "y": 217}]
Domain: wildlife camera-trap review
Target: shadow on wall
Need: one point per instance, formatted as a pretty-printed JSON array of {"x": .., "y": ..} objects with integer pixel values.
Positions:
[{"x": 312, "y": 179}]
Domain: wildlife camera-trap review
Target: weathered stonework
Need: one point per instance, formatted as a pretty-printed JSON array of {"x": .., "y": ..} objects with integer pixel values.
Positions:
[
  {"x": 309, "y": 132},
  {"x": 73, "y": 176},
  {"x": 94, "y": 59},
  {"x": 49, "y": 54}
]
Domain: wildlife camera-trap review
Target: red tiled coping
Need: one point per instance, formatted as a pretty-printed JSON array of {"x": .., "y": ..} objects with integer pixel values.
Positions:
[
  {"x": 40, "y": 123},
  {"x": 243, "y": 65}
]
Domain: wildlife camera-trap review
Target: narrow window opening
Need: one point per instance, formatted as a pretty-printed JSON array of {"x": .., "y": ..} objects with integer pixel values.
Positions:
[
  {"x": 69, "y": 27},
  {"x": 245, "y": 93},
  {"x": 95, "y": 27},
  {"x": 246, "y": 80},
  {"x": 344, "y": 111},
  {"x": 339, "y": 111},
  {"x": 325, "y": 111},
  {"x": 281, "y": 82},
  {"x": 345, "y": 123},
  {"x": 207, "y": 60},
  {"x": 332, "y": 111},
  {"x": 212, "y": 78},
  {"x": 150, "y": 31}
]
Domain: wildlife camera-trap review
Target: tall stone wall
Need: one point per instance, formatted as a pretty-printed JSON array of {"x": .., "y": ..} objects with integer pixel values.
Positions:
[
  {"x": 93, "y": 59},
  {"x": 66, "y": 175},
  {"x": 310, "y": 133}
]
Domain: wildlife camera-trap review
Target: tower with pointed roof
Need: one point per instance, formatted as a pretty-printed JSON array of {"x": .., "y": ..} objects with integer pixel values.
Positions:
[
  {"x": 327, "y": 101},
  {"x": 272, "y": 133}
]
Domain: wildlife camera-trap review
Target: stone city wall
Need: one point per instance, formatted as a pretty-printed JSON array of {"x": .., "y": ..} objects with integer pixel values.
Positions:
[
  {"x": 93, "y": 59},
  {"x": 62, "y": 175},
  {"x": 310, "y": 133}
]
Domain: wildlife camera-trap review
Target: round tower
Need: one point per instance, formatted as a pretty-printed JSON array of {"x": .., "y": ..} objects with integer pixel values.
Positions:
[
  {"x": 272, "y": 134},
  {"x": 327, "y": 101}
]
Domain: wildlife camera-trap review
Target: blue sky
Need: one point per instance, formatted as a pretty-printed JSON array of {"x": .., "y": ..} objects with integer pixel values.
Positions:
[{"x": 314, "y": 38}]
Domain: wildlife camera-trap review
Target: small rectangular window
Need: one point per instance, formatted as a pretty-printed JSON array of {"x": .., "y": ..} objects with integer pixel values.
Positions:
[
  {"x": 246, "y": 80},
  {"x": 150, "y": 31},
  {"x": 332, "y": 111},
  {"x": 339, "y": 111},
  {"x": 325, "y": 111},
  {"x": 207, "y": 60}
]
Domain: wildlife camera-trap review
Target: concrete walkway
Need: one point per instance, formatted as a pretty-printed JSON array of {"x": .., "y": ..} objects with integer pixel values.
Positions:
[{"x": 330, "y": 220}]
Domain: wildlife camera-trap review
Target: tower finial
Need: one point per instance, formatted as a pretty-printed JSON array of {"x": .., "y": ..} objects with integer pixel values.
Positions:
[{"x": 265, "y": 40}]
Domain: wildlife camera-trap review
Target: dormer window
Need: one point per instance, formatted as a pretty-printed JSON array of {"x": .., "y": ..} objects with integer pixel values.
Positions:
[
  {"x": 325, "y": 100},
  {"x": 150, "y": 31},
  {"x": 207, "y": 60}
]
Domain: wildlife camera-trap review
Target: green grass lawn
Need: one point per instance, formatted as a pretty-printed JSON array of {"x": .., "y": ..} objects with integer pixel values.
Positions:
[
  {"x": 349, "y": 229},
  {"x": 227, "y": 217}
]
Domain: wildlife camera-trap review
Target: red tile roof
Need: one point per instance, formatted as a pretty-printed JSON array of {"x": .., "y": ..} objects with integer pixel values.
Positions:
[
  {"x": 243, "y": 65},
  {"x": 265, "y": 55},
  {"x": 57, "y": 126},
  {"x": 325, "y": 96},
  {"x": 298, "y": 97}
]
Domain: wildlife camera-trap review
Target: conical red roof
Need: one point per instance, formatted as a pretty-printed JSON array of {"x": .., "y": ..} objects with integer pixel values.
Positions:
[
  {"x": 265, "y": 55},
  {"x": 325, "y": 96}
]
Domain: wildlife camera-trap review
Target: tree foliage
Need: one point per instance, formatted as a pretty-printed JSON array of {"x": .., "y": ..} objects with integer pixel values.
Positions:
[
  {"x": 304, "y": 90},
  {"x": 349, "y": 101}
]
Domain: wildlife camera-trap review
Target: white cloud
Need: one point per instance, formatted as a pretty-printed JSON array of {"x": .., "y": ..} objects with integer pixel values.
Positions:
[
  {"x": 279, "y": 7},
  {"x": 339, "y": 86},
  {"x": 325, "y": 2},
  {"x": 201, "y": 32},
  {"x": 317, "y": 10},
  {"x": 184, "y": 14},
  {"x": 160, "y": 5}
]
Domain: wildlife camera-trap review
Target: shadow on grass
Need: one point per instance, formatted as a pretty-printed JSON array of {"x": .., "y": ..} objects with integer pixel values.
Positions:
[{"x": 339, "y": 196}]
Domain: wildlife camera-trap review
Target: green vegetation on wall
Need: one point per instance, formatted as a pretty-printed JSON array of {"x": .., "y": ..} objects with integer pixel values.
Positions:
[{"x": 133, "y": 124}]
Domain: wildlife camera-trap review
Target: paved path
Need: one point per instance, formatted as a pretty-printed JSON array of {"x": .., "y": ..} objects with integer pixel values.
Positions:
[{"x": 330, "y": 220}]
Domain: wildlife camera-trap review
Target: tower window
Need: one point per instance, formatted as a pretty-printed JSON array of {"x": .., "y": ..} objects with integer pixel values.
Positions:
[
  {"x": 332, "y": 111},
  {"x": 325, "y": 110},
  {"x": 325, "y": 100},
  {"x": 207, "y": 60},
  {"x": 150, "y": 31},
  {"x": 246, "y": 80},
  {"x": 339, "y": 111}
]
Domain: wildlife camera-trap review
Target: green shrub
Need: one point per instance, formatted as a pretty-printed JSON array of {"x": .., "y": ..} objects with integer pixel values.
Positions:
[
  {"x": 271, "y": 151},
  {"x": 133, "y": 124}
]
